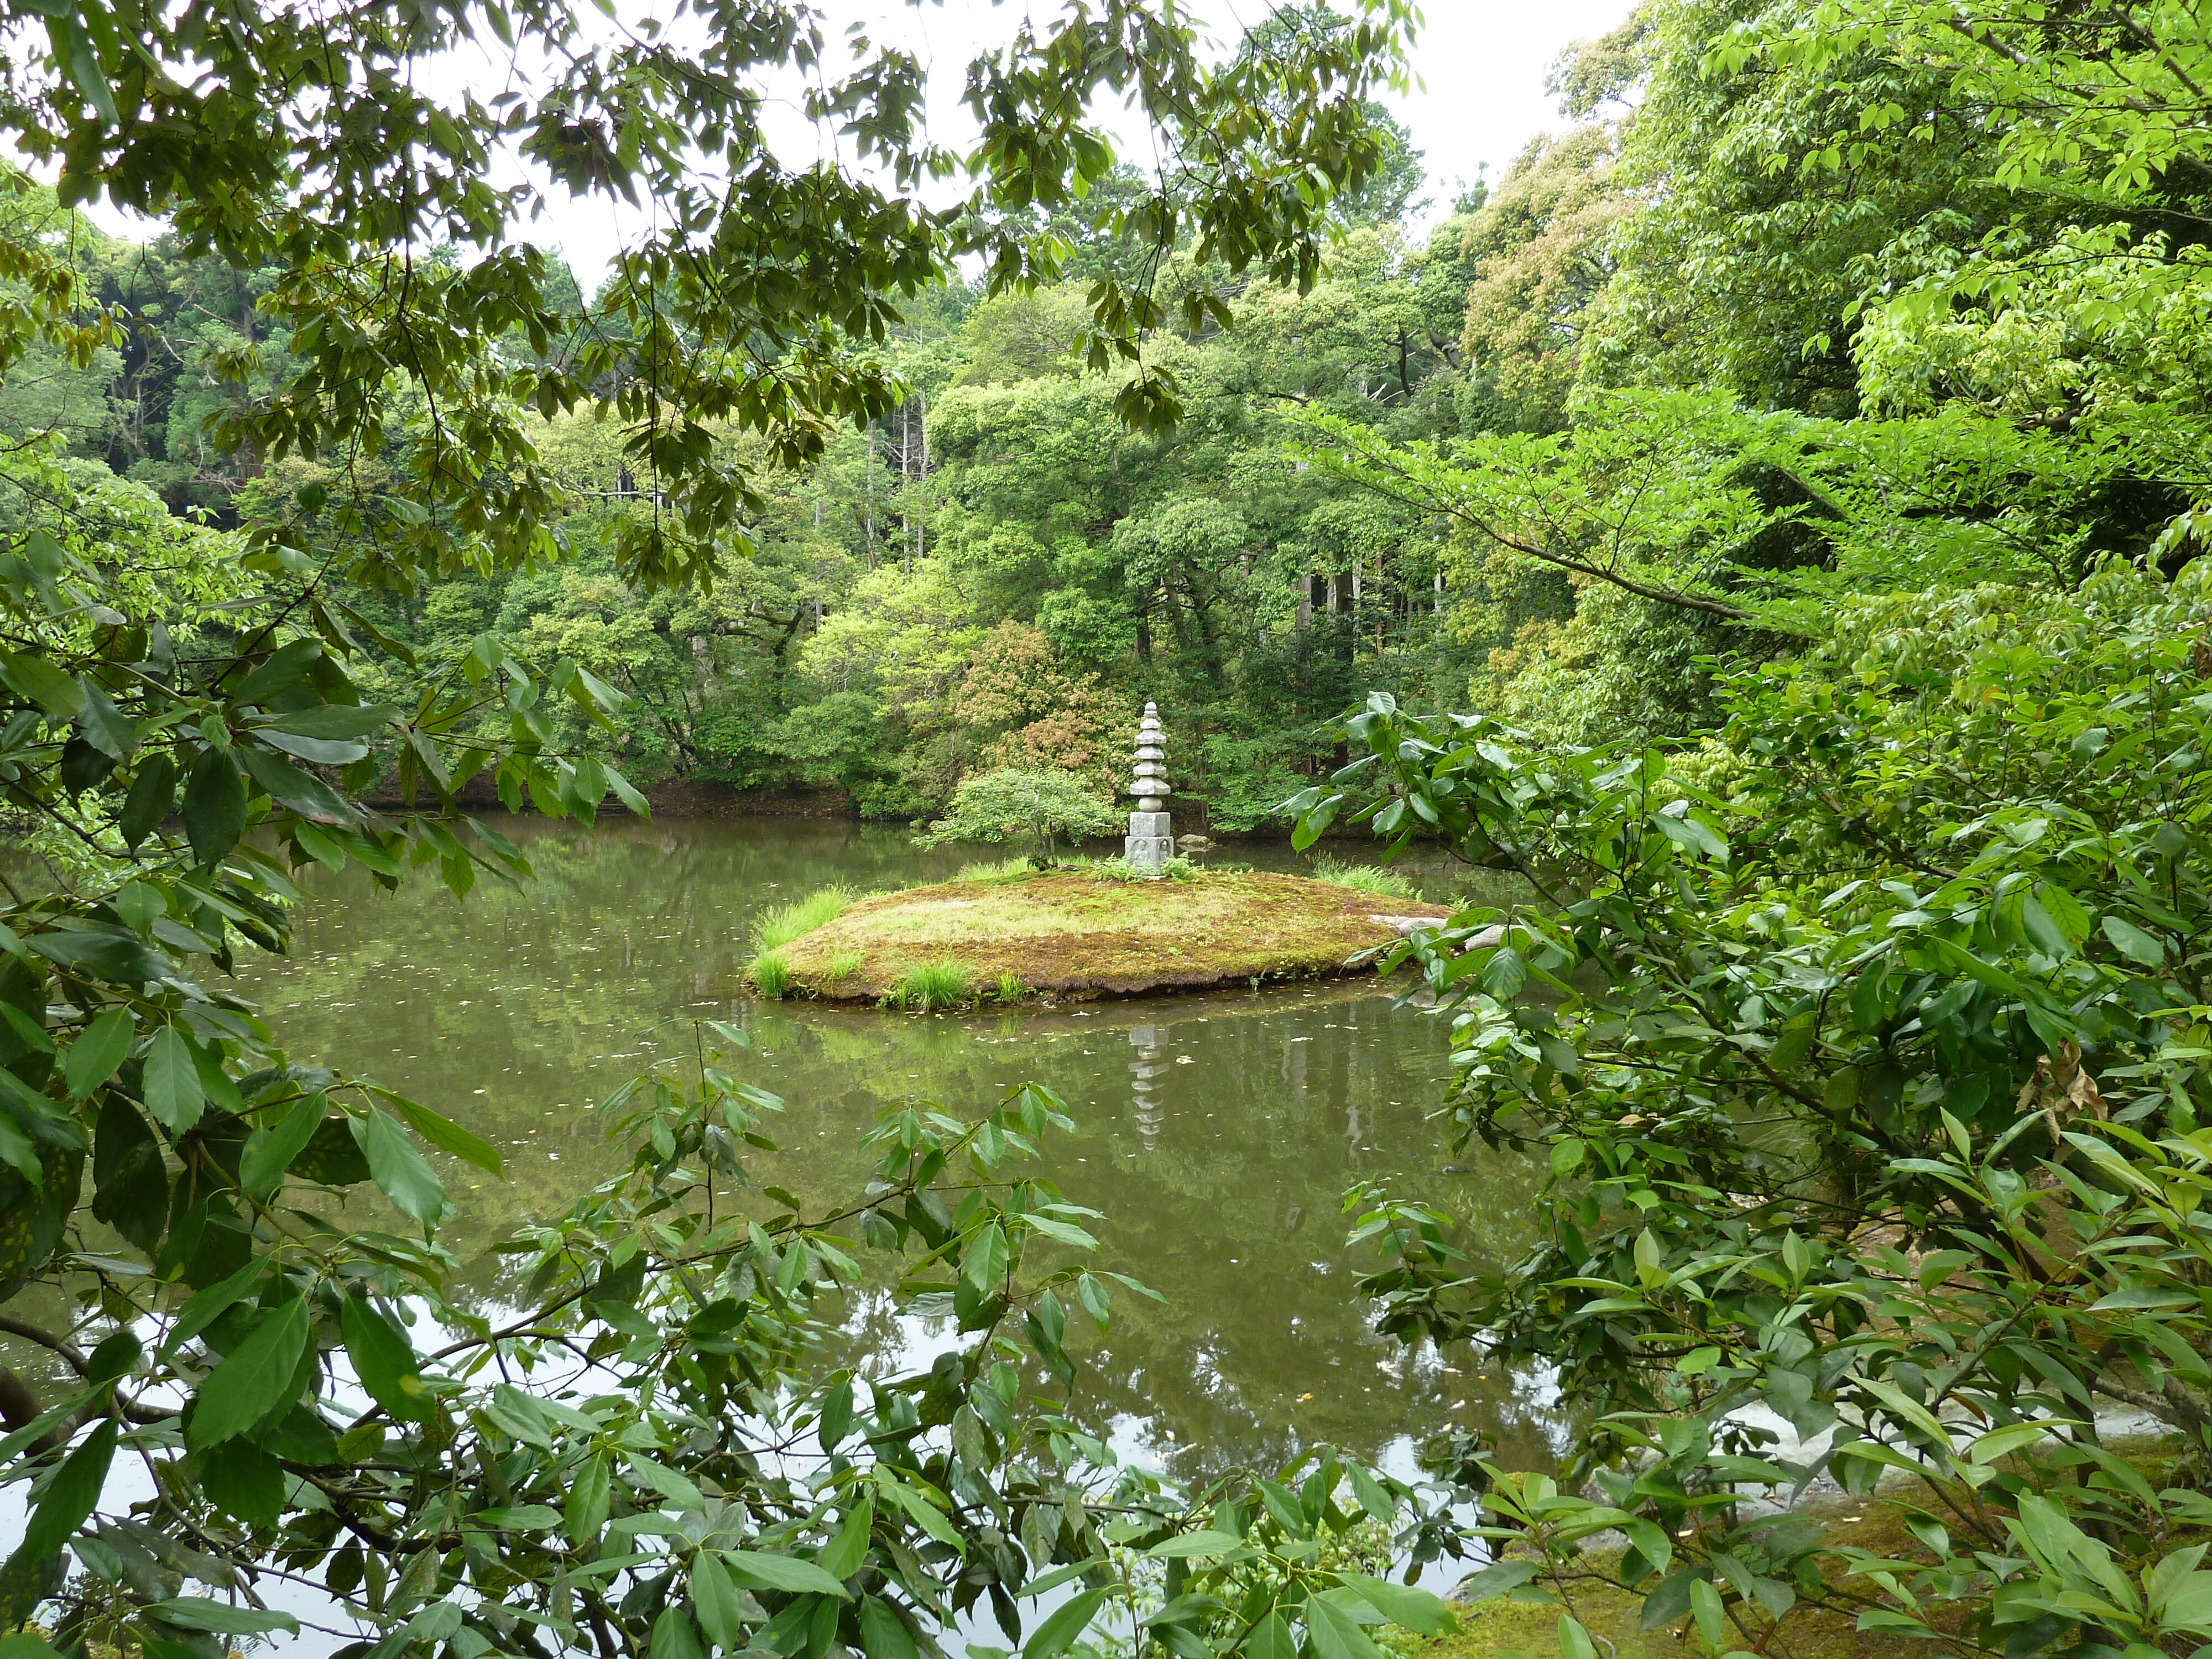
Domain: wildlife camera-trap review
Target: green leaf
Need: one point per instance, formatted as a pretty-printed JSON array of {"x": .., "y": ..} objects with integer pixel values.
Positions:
[
  {"x": 99, "y": 951},
  {"x": 73, "y": 43},
  {"x": 270, "y": 1151},
  {"x": 666, "y": 1481},
  {"x": 447, "y": 1135},
  {"x": 332, "y": 1156},
  {"x": 844, "y": 1555},
  {"x": 204, "y": 1309},
  {"x": 282, "y": 669},
  {"x": 71, "y": 1496},
  {"x": 117, "y": 1356},
  {"x": 99, "y": 1050},
  {"x": 674, "y": 1636},
  {"x": 1574, "y": 1640},
  {"x": 19, "y": 1152},
  {"x": 384, "y": 1359},
  {"x": 626, "y": 792},
  {"x": 316, "y": 751},
  {"x": 1068, "y": 1621},
  {"x": 1690, "y": 833},
  {"x": 214, "y": 805},
  {"x": 2132, "y": 942},
  {"x": 884, "y": 1634},
  {"x": 985, "y": 1263},
  {"x": 1203, "y": 1542},
  {"x": 589, "y": 1498},
  {"x": 1335, "y": 1633},
  {"x": 106, "y": 727},
  {"x": 721, "y": 1615},
  {"x": 43, "y": 683},
  {"x": 153, "y": 792},
  {"x": 836, "y": 1420},
  {"x": 403, "y": 1173},
  {"x": 1270, "y": 1639},
  {"x": 1988, "y": 1448},
  {"x": 1417, "y": 1610},
  {"x": 174, "y": 1091},
  {"x": 254, "y": 1378},
  {"x": 222, "y": 1618},
  {"x": 1712, "y": 1618},
  {"x": 527, "y": 1517},
  {"x": 334, "y": 723},
  {"x": 756, "y": 1569},
  {"x": 1370, "y": 1493},
  {"x": 286, "y": 784}
]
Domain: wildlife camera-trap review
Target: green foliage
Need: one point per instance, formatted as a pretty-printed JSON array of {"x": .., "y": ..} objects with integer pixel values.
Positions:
[
  {"x": 770, "y": 976},
  {"x": 841, "y": 966},
  {"x": 1871, "y": 1084},
  {"x": 781, "y": 924},
  {"x": 1045, "y": 806},
  {"x": 1120, "y": 869},
  {"x": 929, "y": 986},
  {"x": 1362, "y": 878},
  {"x": 1010, "y": 988}
]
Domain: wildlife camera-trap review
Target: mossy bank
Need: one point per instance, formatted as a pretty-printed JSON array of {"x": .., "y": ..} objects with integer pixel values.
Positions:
[{"x": 1073, "y": 933}]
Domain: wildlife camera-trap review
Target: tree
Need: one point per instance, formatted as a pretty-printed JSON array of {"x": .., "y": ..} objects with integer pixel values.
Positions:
[
  {"x": 1044, "y": 804},
  {"x": 1540, "y": 257},
  {"x": 1862, "y": 1045}
]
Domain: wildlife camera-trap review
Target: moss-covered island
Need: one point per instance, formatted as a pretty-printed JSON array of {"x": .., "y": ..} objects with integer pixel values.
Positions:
[{"x": 1004, "y": 934}]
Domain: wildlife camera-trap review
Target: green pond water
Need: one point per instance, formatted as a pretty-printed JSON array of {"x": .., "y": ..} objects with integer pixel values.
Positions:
[{"x": 1216, "y": 1133}]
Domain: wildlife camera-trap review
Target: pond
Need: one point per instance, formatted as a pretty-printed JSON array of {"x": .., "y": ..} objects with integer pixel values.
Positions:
[{"x": 1216, "y": 1134}]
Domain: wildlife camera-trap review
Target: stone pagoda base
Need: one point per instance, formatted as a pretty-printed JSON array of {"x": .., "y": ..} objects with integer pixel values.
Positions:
[{"x": 1151, "y": 843}]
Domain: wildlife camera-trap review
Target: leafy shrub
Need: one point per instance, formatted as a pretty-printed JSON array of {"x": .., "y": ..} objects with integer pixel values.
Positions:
[
  {"x": 776, "y": 927},
  {"x": 1887, "y": 1113},
  {"x": 770, "y": 975},
  {"x": 934, "y": 985},
  {"x": 1120, "y": 869},
  {"x": 1044, "y": 805},
  {"x": 1363, "y": 877}
]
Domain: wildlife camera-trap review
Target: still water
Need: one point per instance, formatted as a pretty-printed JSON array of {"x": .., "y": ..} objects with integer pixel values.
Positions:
[{"x": 1216, "y": 1133}]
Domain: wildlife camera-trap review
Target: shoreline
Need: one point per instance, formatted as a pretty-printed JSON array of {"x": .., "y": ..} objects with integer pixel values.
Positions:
[{"x": 694, "y": 799}]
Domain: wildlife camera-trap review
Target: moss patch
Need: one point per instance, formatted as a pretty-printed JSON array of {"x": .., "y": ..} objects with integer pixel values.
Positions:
[{"x": 1066, "y": 933}]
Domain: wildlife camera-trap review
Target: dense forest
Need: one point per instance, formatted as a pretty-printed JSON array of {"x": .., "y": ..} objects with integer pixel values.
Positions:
[
  {"x": 997, "y": 571},
  {"x": 1721, "y": 327},
  {"x": 1763, "y": 529}
]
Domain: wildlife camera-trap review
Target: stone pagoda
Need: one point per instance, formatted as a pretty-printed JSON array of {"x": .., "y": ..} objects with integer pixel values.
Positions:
[{"x": 1151, "y": 842}]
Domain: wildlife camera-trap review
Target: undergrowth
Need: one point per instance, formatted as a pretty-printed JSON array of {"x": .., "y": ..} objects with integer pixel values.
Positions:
[
  {"x": 1363, "y": 877},
  {"x": 1120, "y": 869},
  {"x": 770, "y": 976},
  {"x": 778, "y": 926},
  {"x": 930, "y": 986}
]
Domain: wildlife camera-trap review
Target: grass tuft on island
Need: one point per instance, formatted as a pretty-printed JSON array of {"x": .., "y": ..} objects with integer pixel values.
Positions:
[{"x": 1006, "y": 931}]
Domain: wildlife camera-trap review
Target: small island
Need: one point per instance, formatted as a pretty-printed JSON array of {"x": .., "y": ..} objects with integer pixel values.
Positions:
[{"x": 1075, "y": 932}]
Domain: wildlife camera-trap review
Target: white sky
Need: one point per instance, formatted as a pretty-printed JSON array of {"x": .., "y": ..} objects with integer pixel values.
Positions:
[{"x": 1482, "y": 64}]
